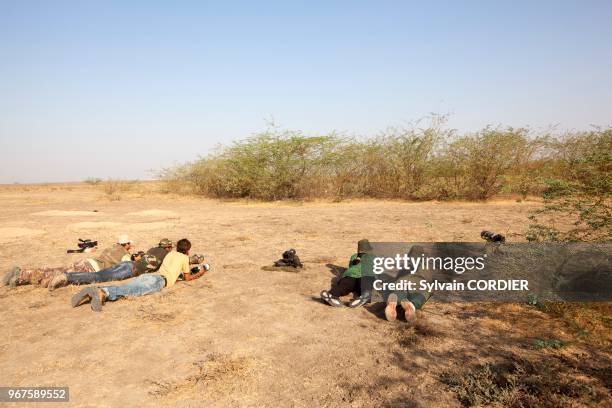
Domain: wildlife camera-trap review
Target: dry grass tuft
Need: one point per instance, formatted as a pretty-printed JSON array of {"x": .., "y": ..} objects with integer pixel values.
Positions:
[
  {"x": 521, "y": 383},
  {"x": 218, "y": 369}
]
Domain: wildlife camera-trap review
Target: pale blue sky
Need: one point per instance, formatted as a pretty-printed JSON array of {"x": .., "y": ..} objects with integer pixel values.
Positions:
[{"x": 114, "y": 89}]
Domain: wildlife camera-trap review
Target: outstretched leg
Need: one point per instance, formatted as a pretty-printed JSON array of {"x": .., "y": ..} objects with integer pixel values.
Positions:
[
  {"x": 121, "y": 271},
  {"x": 139, "y": 286}
]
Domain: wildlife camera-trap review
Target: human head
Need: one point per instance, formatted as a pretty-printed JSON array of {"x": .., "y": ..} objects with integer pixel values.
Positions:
[
  {"x": 124, "y": 241},
  {"x": 183, "y": 246},
  {"x": 364, "y": 247},
  {"x": 166, "y": 244}
]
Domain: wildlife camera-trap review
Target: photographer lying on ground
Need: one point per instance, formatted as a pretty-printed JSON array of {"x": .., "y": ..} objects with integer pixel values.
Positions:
[
  {"x": 175, "y": 265},
  {"x": 119, "y": 252},
  {"x": 147, "y": 262},
  {"x": 357, "y": 275}
]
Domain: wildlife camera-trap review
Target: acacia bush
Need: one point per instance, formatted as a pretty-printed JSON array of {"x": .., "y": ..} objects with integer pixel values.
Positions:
[
  {"x": 400, "y": 163},
  {"x": 577, "y": 193}
]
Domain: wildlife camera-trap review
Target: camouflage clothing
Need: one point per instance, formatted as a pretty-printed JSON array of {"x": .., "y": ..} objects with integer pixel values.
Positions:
[
  {"x": 111, "y": 256},
  {"x": 159, "y": 253},
  {"x": 150, "y": 262},
  {"x": 42, "y": 276},
  {"x": 196, "y": 259},
  {"x": 147, "y": 264}
]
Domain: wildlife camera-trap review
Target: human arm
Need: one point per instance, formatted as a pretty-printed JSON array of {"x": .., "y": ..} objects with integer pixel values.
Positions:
[{"x": 189, "y": 276}]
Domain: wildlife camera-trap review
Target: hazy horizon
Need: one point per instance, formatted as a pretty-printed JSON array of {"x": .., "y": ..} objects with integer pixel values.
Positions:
[{"x": 114, "y": 90}]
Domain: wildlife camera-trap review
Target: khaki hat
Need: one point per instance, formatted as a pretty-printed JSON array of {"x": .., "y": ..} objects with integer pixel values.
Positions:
[
  {"x": 123, "y": 239},
  {"x": 363, "y": 246},
  {"x": 165, "y": 242}
]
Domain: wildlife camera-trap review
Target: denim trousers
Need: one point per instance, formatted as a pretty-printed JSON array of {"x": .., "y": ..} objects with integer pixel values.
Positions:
[
  {"x": 139, "y": 286},
  {"x": 121, "y": 271}
]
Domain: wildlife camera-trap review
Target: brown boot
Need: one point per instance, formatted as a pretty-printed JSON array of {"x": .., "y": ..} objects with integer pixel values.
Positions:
[
  {"x": 391, "y": 309},
  {"x": 58, "y": 281},
  {"x": 10, "y": 278},
  {"x": 83, "y": 296},
  {"x": 98, "y": 297}
]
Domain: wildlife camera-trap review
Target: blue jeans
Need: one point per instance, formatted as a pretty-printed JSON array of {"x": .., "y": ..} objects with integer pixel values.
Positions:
[
  {"x": 139, "y": 286},
  {"x": 121, "y": 271}
]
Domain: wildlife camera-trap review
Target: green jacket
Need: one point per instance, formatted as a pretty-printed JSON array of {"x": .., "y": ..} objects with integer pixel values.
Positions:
[{"x": 363, "y": 268}]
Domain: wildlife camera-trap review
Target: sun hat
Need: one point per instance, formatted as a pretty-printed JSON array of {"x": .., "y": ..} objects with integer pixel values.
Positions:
[{"x": 123, "y": 239}]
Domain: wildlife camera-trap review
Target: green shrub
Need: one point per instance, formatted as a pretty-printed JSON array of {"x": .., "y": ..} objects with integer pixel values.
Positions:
[
  {"x": 400, "y": 163},
  {"x": 577, "y": 196}
]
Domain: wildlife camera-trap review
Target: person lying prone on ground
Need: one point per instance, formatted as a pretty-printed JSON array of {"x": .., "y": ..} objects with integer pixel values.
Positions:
[
  {"x": 147, "y": 263},
  {"x": 356, "y": 277},
  {"x": 409, "y": 301},
  {"x": 119, "y": 252},
  {"x": 174, "y": 266}
]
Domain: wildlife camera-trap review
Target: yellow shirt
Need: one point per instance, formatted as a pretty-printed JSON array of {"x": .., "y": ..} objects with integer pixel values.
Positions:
[{"x": 173, "y": 266}]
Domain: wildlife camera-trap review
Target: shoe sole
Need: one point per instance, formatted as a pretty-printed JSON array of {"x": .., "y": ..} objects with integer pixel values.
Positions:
[
  {"x": 391, "y": 312},
  {"x": 327, "y": 298},
  {"x": 409, "y": 312},
  {"x": 391, "y": 308},
  {"x": 80, "y": 298},
  {"x": 96, "y": 302},
  {"x": 357, "y": 303}
]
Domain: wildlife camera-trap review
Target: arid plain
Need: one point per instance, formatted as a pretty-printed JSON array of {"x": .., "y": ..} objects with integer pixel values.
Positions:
[{"x": 242, "y": 336}]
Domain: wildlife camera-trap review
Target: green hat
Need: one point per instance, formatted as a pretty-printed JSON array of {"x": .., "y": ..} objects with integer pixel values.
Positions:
[
  {"x": 165, "y": 242},
  {"x": 363, "y": 246}
]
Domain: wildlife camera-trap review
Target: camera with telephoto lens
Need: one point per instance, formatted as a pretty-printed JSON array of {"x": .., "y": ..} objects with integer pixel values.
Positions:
[
  {"x": 87, "y": 243},
  {"x": 492, "y": 237},
  {"x": 198, "y": 268}
]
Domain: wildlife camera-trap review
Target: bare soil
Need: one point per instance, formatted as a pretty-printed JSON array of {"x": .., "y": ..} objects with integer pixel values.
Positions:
[{"x": 243, "y": 336}]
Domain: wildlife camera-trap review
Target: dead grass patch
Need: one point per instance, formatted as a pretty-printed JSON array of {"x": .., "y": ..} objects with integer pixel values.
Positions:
[
  {"x": 281, "y": 269},
  {"x": 413, "y": 335},
  {"x": 522, "y": 383},
  {"x": 590, "y": 322},
  {"x": 147, "y": 312},
  {"x": 218, "y": 369}
]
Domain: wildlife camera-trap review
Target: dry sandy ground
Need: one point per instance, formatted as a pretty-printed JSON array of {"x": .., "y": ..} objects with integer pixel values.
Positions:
[{"x": 242, "y": 336}]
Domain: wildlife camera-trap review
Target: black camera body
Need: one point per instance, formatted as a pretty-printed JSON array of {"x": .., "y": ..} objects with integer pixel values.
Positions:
[
  {"x": 87, "y": 243},
  {"x": 290, "y": 258},
  {"x": 136, "y": 255},
  {"x": 84, "y": 245},
  {"x": 492, "y": 237}
]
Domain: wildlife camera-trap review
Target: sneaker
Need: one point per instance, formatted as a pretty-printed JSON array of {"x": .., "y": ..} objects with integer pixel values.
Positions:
[
  {"x": 330, "y": 300},
  {"x": 58, "y": 281},
  {"x": 409, "y": 311},
  {"x": 360, "y": 301},
  {"x": 391, "y": 309}
]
